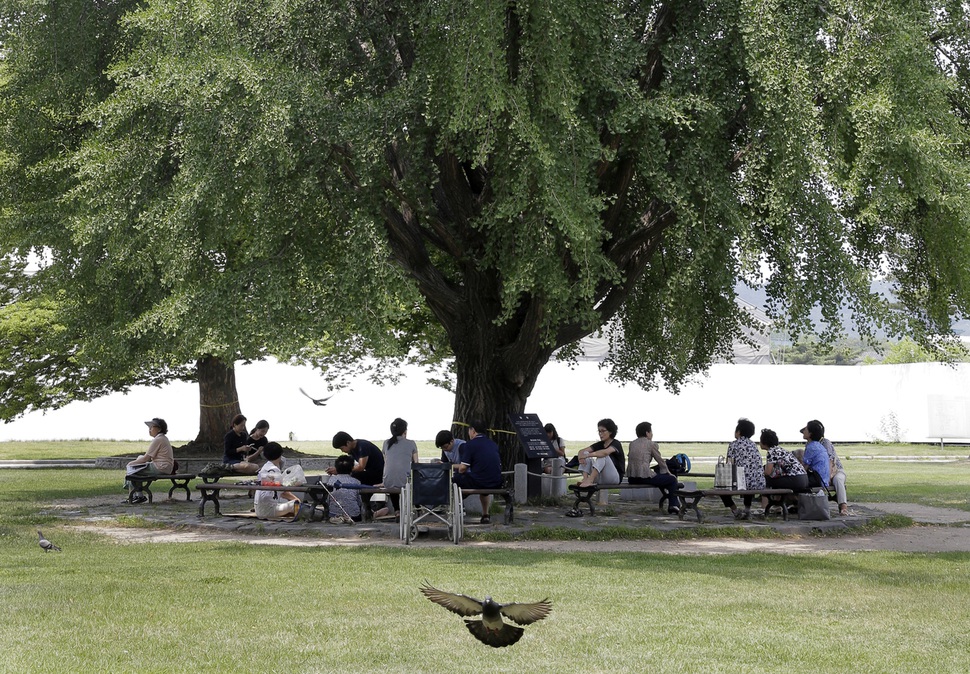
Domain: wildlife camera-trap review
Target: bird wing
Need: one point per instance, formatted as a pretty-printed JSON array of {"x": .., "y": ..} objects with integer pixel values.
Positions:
[
  {"x": 456, "y": 603},
  {"x": 496, "y": 638},
  {"x": 525, "y": 614},
  {"x": 316, "y": 401}
]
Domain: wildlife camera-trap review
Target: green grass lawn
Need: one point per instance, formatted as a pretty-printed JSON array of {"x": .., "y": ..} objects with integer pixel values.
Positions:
[
  {"x": 101, "y": 606},
  {"x": 105, "y": 607}
]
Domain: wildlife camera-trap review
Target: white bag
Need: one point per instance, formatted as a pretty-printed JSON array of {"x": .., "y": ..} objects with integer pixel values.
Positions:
[
  {"x": 727, "y": 475},
  {"x": 722, "y": 473},
  {"x": 739, "y": 478},
  {"x": 293, "y": 476},
  {"x": 136, "y": 468}
]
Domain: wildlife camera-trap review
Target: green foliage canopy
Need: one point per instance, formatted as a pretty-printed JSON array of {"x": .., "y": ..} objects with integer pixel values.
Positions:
[{"x": 535, "y": 171}]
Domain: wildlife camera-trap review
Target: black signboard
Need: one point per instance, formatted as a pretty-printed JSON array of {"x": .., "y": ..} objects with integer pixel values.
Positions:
[{"x": 532, "y": 436}]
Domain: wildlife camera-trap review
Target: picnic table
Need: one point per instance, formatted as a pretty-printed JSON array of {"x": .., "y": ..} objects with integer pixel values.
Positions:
[{"x": 316, "y": 495}]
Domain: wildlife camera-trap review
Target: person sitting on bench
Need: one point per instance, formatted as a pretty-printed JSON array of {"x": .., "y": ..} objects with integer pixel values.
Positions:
[
  {"x": 274, "y": 505},
  {"x": 815, "y": 458},
  {"x": 836, "y": 471},
  {"x": 603, "y": 461},
  {"x": 745, "y": 455},
  {"x": 642, "y": 450},
  {"x": 481, "y": 465},
  {"x": 237, "y": 453},
  {"x": 157, "y": 459},
  {"x": 783, "y": 470},
  {"x": 450, "y": 447},
  {"x": 557, "y": 443},
  {"x": 399, "y": 454}
]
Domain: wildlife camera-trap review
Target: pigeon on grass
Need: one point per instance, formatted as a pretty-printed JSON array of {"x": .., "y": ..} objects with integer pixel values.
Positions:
[
  {"x": 319, "y": 402},
  {"x": 45, "y": 544},
  {"x": 491, "y": 629}
]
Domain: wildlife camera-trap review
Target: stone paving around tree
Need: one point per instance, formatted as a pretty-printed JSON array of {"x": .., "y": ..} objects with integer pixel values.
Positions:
[{"x": 177, "y": 519}]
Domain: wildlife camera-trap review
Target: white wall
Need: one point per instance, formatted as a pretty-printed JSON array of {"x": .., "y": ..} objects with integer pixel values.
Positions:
[{"x": 851, "y": 401}]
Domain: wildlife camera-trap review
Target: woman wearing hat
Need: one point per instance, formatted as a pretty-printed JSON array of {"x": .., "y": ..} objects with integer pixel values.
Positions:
[{"x": 158, "y": 460}]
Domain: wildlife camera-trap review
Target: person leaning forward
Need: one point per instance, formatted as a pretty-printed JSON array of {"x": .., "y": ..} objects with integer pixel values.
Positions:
[
  {"x": 368, "y": 460},
  {"x": 237, "y": 452}
]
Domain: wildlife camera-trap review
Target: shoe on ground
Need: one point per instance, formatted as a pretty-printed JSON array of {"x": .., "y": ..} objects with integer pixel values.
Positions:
[
  {"x": 336, "y": 519},
  {"x": 138, "y": 497},
  {"x": 485, "y": 520},
  {"x": 673, "y": 511}
]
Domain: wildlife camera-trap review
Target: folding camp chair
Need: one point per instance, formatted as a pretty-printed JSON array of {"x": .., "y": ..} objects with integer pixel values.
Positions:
[{"x": 430, "y": 495}]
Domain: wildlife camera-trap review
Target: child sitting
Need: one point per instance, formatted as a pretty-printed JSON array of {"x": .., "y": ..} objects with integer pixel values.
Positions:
[{"x": 345, "y": 504}]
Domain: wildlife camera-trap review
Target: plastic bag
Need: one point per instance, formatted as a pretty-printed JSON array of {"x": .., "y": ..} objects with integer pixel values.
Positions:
[{"x": 293, "y": 476}]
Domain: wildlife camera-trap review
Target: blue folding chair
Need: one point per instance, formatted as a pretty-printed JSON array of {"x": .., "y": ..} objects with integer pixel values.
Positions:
[{"x": 431, "y": 495}]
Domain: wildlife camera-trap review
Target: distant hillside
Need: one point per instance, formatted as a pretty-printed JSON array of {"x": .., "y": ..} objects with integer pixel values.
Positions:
[{"x": 757, "y": 298}]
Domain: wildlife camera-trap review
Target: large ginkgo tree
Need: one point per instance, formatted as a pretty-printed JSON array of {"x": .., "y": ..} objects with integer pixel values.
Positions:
[{"x": 490, "y": 181}]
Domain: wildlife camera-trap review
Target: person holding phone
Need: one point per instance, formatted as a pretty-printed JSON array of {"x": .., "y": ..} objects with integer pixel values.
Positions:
[{"x": 238, "y": 453}]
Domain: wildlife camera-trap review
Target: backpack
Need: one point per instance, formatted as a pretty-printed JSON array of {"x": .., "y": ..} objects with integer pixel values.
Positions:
[{"x": 679, "y": 464}]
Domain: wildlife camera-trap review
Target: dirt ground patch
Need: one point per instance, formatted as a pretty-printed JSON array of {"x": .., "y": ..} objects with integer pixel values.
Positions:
[
  {"x": 935, "y": 530},
  {"x": 919, "y": 538}
]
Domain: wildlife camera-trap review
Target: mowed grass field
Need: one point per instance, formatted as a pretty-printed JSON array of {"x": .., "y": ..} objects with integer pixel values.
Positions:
[
  {"x": 92, "y": 449},
  {"x": 103, "y": 606}
]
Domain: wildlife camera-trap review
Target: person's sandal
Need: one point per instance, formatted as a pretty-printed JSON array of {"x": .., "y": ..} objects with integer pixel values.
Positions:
[
  {"x": 485, "y": 520},
  {"x": 844, "y": 511},
  {"x": 574, "y": 512}
]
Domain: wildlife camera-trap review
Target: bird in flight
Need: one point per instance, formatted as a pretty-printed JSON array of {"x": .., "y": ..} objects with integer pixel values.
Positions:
[
  {"x": 491, "y": 629},
  {"x": 319, "y": 402},
  {"x": 45, "y": 544}
]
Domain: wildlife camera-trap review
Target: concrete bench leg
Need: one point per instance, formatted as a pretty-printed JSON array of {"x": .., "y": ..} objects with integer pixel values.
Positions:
[
  {"x": 689, "y": 501},
  {"x": 584, "y": 495},
  {"x": 207, "y": 496}
]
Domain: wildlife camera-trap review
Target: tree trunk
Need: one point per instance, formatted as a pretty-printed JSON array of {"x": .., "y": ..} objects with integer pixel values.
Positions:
[
  {"x": 493, "y": 383},
  {"x": 218, "y": 403}
]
